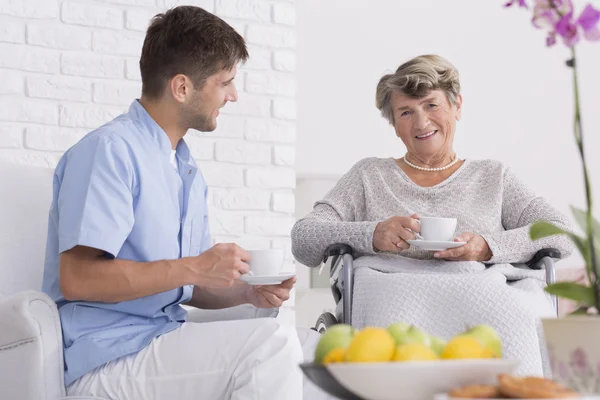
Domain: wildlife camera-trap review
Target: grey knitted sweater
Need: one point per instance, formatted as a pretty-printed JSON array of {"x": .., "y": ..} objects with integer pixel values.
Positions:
[{"x": 486, "y": 197}]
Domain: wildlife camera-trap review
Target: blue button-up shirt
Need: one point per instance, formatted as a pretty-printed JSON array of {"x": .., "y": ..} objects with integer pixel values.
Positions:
[{"x": 117, "y": 191}]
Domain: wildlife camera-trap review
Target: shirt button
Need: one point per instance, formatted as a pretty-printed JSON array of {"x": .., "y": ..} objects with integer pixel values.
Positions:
[{"x": 190, "y": 172}]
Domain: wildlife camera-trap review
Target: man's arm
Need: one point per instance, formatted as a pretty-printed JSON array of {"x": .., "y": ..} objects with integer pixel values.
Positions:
[
  {"x": 267, "y": 296},
  {"x": 215, "y": 299},
  {"x": 85, "y": 274}
]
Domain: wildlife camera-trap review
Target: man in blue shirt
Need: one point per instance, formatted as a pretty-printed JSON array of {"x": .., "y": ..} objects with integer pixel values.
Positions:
[{"x": 128, "y": 242}]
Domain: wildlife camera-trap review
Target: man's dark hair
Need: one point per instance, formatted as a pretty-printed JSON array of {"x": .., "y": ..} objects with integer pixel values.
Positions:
[{"x": 191, "y": 41}]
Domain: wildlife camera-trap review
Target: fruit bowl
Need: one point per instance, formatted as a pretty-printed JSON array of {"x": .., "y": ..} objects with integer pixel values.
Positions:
[
  {"x": 320, "y": 376},
  {"x": 414, "y": 380}
]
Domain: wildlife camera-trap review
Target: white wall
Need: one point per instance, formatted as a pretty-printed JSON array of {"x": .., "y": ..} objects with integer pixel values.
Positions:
[
  {"x": 67, "y": 66},
  {"x": 517, "y": 93}
]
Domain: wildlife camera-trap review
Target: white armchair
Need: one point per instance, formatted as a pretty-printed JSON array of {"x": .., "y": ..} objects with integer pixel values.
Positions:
[
  {"x": 31, "y": 353},
  {"x": 31, "y": 362}
]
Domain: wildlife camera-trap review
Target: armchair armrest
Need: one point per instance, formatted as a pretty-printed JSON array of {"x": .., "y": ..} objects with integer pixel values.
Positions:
[{"x": 31, "y": 358}]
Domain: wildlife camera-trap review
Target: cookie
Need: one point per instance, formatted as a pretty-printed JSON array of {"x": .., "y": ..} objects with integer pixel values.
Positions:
[
  {"x": 475, "y": 392},
  {"x": 533, "y": 388}
]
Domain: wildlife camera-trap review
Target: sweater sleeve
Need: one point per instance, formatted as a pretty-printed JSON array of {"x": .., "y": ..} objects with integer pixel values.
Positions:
[
  {"x": 520, "y": 209},
  {"x": 338, "y": 218}
]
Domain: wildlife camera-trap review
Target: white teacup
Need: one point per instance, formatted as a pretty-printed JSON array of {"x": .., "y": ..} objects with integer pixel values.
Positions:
[
  {"x": 266, "y": 262},
  {"x": 438, "y": 229}
]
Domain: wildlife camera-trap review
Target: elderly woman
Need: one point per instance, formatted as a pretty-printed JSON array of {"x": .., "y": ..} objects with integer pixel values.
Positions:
[{"x": 376, "y": 206}]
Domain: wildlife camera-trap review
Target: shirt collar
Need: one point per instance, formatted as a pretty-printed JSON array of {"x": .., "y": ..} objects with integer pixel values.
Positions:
[{"x": 138, "y": 114}]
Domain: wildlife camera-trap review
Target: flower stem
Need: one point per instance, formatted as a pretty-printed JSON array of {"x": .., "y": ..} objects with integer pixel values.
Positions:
[{"x": 593, "y": 273}]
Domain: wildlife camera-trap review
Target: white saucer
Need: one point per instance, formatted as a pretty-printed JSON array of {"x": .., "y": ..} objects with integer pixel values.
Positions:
[
  {"x": 267, "y": 279},
  {"x": 433, "y": 245}
]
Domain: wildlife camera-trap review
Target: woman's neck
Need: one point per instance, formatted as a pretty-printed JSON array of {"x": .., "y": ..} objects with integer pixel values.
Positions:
[
  {"x": 436, "y": 161},
  {"x": 428, "y": 178}
]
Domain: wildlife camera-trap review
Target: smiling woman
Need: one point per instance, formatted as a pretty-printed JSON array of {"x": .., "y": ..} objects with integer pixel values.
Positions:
[
  {"x": 378, "y": 208},
  {"x": 422, "y": 101}
]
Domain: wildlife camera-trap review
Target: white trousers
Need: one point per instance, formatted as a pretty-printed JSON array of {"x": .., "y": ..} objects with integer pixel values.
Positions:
[{"x": 254, "y": 359}]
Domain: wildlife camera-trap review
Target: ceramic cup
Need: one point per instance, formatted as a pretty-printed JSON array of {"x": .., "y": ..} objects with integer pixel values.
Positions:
[
  {"x": 438, "y": 229},
  {"x": 266, "y": 262}
]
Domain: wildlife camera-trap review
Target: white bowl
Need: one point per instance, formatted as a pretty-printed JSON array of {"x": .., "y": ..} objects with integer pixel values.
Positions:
[{"x": 417, "y": 380}]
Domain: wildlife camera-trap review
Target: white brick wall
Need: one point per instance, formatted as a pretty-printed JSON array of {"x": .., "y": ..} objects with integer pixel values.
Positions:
[{"x": 68, "y": 66}]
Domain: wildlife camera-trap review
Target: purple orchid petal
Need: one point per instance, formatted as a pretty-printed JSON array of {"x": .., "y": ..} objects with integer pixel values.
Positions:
[
  {"x": 545, "y": 18},
  {"x": 564, "y": 6},
  {"x": 561, "y": 7},
  {"x": 579, "y": 361},
  {"x": 563, "y": 371},
  {"x": 521, "y": 3},
  {"x": 588, "y": 20},
  {"x": 553, "y": 360},
  {"x": 592, "y": 34},
  {"x": 551, "y": 39},
  {"x": 545, "y": 15},
  {"x": 567, "y": 29}
]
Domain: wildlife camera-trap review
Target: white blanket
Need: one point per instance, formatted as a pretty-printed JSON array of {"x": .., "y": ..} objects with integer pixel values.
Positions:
[{"x": 445, "y": 298}]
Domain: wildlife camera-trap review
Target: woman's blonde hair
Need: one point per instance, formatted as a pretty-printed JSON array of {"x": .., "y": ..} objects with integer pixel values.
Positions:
[{"x": 416, "y": 78}]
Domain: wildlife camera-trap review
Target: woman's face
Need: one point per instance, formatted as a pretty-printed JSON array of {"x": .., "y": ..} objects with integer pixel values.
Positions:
[{"x": 426, "y": 125}]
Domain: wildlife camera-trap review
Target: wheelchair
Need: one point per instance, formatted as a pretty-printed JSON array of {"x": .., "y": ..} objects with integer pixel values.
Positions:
[{"x": 338, "y": 258}]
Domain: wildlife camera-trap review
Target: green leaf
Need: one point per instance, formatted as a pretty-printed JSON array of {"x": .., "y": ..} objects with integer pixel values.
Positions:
[
  {"x": 580, "y": 311},
  {"x": 581, "y": 218},
  {"x": 573, "y": 291},
  {"x": 582, "y": 246},
  {"x": 542, "y": 229}
]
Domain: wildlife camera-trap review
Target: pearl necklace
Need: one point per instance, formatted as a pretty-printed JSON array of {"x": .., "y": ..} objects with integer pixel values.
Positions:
[{"x": 430, "y": 169}]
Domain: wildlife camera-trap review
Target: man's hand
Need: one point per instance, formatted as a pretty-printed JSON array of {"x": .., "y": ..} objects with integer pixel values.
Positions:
[
  {"x": 218, "y": 267},
  {"x": 270, "y": 296},
  {"x": 476, "y": 249},
  {"x": 392, "y": 234}
]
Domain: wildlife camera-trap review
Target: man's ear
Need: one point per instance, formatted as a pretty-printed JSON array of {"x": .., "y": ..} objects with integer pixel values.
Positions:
[{"x": 180, "y": 88}]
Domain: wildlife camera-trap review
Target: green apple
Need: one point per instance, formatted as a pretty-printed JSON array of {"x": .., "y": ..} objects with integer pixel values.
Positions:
[
  {"x": 399, "y": 328},
  {"x": 488, "y": 337},
  {"x": 437, "y": 345},
  {"x": 410, "y": 335},
  {"x": 337, "y": 336}
]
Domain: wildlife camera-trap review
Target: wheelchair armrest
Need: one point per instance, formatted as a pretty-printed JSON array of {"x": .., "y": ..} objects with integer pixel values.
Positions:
[
  {"x": 537, "y": 261},
  {"x": 336, "y": 252},
  {"x": 544, "y": 259},
  {"x": 337, "y": 249},
  {"x": 333, "y": 256}
]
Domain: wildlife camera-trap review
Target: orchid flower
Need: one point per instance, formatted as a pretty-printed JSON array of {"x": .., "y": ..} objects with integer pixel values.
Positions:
[{"x": 557, "y": 18}]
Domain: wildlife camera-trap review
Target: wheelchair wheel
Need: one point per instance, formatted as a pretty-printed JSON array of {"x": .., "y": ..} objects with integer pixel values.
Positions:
[{"x": 325, "y": 320}]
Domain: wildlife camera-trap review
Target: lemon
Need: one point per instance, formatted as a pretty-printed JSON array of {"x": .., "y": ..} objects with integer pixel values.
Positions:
[
  {"x": 371, "y": 345},
  {"x": 488, "y": 353},
  {"x": 463, "y": 347},
  {"x": 414, "y": 352},
  {"x": 335, "y": 356}
]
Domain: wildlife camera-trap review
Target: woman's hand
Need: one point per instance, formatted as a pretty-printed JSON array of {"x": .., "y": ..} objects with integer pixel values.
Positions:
[
  {"x": 392, "y": 234},
  {"x": 476, "y": 249}
]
